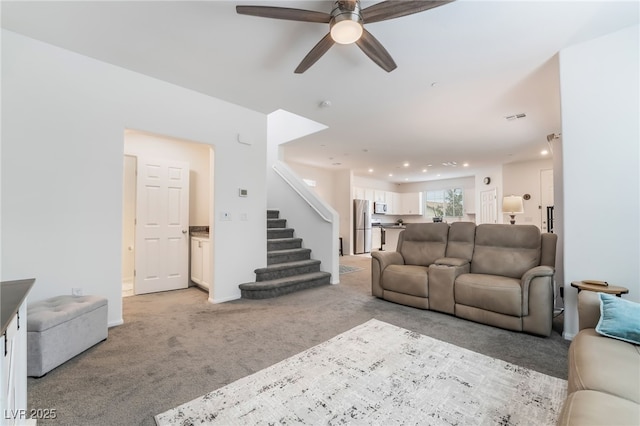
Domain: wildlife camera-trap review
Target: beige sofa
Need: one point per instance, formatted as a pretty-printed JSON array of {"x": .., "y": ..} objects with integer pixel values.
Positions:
[
  {"x": 501, "y": 275},
  {"x": 604, "y": 374}
]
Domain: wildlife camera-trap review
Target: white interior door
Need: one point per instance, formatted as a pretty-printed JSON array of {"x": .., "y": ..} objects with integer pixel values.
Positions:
[
  {"x": 489, "y": 206},
  {"x": 546, "y": 196},
  {"x": 162, "y": 226}
]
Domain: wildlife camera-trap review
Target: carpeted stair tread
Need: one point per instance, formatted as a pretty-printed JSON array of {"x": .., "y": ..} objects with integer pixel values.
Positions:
[
  {"x": 273, "y": 214},
  {"x": 276, "y": 223},
  {"x": 288, "y": 265},
  {"x": 279, "y": 233},
  {"x": 284, "y": 281},
  {"x": 281, "y": 286},
  {"x": 274, "y": 244},
  {"x": 288, "y": 255}
]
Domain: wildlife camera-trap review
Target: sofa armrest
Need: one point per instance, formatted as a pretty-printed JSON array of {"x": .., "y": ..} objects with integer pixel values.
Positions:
[
  {"x": 451, "y": 261},
  {"x": 588, "y": 309},
  {"x": 538, "y": 271},
  {"x": 379, "y": 261}
]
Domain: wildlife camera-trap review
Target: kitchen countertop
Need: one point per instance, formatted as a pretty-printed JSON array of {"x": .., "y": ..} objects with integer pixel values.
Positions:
[
  {"x": 200, "y": 234},
  {"x": 12, "y": 295},
  {"x": 389, "y": 225}
]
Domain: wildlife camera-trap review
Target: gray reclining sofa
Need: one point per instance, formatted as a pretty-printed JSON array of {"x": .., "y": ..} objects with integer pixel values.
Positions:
[{"x": 496, "y": 274}]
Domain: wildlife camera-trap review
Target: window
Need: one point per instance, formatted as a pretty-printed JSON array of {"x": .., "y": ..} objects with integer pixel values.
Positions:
[{"x": 445, "y": 203}]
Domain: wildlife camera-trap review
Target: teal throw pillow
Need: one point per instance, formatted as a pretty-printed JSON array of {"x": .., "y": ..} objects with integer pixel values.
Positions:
[{"x": 619, "y": 318}]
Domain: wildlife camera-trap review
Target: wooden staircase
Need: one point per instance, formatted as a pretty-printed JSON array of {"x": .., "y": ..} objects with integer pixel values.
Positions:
[{"x": 289, "y": 266}]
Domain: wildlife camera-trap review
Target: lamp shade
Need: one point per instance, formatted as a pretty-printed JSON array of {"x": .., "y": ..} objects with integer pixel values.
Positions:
[{"x": 512, "y": 204}]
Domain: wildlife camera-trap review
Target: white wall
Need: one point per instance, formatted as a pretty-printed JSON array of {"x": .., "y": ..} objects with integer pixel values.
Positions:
[
  {"x": 600, "y": 129},
  {"x": 324, "y": 179},
  {"x": 63, "y": 120},
  {"x": 524, "y": 178}
]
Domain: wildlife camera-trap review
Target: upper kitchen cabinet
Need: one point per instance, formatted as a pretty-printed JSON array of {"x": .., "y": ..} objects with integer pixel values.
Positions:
[
  {"x": 393, "y": 203},
  {"x": 380, "y": 196},
  {"x": 411, "y": 203},
  {"x": 469, "y": 201}
]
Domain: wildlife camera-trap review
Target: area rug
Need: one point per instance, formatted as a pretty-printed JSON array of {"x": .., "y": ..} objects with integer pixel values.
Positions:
[
  {"x": 345, "y": 269},
  {"x": 377, "y": 373}
]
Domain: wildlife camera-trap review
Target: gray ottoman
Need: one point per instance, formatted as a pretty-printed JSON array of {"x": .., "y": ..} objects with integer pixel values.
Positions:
[{"x": 62, "y": 327}]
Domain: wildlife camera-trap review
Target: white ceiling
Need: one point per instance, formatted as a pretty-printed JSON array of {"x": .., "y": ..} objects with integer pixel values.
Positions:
[{"x": 462, "y": 68}]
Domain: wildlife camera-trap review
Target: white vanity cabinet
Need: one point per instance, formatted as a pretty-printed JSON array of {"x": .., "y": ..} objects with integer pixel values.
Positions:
[{"x": 200, "y": 261}]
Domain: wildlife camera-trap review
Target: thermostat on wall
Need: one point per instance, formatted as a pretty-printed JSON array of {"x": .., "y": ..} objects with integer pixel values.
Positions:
[{"x": 242, "y": 192}]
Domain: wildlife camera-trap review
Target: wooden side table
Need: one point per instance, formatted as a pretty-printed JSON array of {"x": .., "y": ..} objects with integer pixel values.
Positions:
[{"x": 609, "y": 289}]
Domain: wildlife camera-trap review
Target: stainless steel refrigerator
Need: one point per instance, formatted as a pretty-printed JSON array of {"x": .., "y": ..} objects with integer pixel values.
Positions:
[{"x": 362, "y": 226}]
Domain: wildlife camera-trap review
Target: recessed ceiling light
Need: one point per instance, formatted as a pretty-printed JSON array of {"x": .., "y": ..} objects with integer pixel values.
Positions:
[
  {"x": 406, "y": 179},
  {"x": 325, "y": 104},
  {"x": 544, "y": 152},
  {"x": 370, "y": 170},
  {"x": 429, "y": 165},
  {"x": 390, "y": 174},
  {"x": 405, "y": 164},
  {"x": 434, "y": 84},
  {"x": 424, "y": 170},
  {"x": 465, "y": 165}
]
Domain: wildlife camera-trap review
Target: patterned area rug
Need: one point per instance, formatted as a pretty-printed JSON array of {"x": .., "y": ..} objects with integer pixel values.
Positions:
[
  {"x": 345, "y": 269},
  {"x": 378, "y": 373}
]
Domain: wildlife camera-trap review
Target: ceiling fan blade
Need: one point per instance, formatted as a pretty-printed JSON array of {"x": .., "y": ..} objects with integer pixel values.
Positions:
[
  {"x": 376, "y": 51},
  {"x": 391, "y": 9},
  {"x": 284, "y": 13},
  {"x": 315, "y": 54}
]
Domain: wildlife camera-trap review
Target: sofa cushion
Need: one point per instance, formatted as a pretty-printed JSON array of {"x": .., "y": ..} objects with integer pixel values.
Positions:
[
  {"x": 461, "y": 240},
  {"x": 489, "y": 292},
  {"x": 619, "y": 319},
  {"x": 406, "y": 279},
  {"x": 507, "y": 250},
  {"x": 423, "y": 243},
  {"x": 590, "y": 408},
  {"x": 602, "y": 364}
]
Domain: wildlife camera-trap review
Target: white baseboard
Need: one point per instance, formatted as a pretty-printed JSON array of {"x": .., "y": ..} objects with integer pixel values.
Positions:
[
  {"x": 115, "y": 323},
  {"x": 226, "y": 299}
]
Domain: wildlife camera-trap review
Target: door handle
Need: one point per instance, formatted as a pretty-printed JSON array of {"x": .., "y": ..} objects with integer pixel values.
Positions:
[{"x": 184, "y": 231}]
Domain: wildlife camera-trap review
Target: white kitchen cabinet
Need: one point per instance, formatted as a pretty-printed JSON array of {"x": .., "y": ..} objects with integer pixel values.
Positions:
[
  {"x": 391, "y": 238},
  {"x": 411, "y": 203},
  {"x": 200, "y": 264},
  {"x": 392, "y": 202},
  {"x": 376, "y": 238},
  {"x": 380, "y": 196},
  {"x": 358, "y": 193},
  {"x": 469, "y": 201}
]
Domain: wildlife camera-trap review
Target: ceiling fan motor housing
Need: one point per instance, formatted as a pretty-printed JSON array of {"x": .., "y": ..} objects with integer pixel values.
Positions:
[{"x": 346, "y": 22}]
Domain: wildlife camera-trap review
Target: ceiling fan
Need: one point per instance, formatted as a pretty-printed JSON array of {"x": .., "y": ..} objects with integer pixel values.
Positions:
[{"x": 346, "y": 22}]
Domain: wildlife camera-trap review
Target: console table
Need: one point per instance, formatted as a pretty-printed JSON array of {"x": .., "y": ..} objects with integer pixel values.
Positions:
[{"x": 13, "y": 350}]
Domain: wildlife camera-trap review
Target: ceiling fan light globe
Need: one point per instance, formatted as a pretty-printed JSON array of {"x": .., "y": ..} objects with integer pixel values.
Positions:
[{"x": 346, "y": 31}]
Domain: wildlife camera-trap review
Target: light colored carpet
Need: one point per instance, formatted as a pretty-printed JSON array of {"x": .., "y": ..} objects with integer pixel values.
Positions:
[
  {"x": 377, "y": 373},
  {"x": 345, "y": 269}
]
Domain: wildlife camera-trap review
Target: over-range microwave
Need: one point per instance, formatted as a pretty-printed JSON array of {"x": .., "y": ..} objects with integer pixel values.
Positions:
[{"x": 380, "y": 208}]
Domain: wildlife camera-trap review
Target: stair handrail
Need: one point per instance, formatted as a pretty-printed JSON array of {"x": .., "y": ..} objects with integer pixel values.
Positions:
[{"x": 310, "y": 197}]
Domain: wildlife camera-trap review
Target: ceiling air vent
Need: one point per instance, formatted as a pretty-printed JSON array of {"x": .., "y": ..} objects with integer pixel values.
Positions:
[{"x": 515, "y": 116}]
